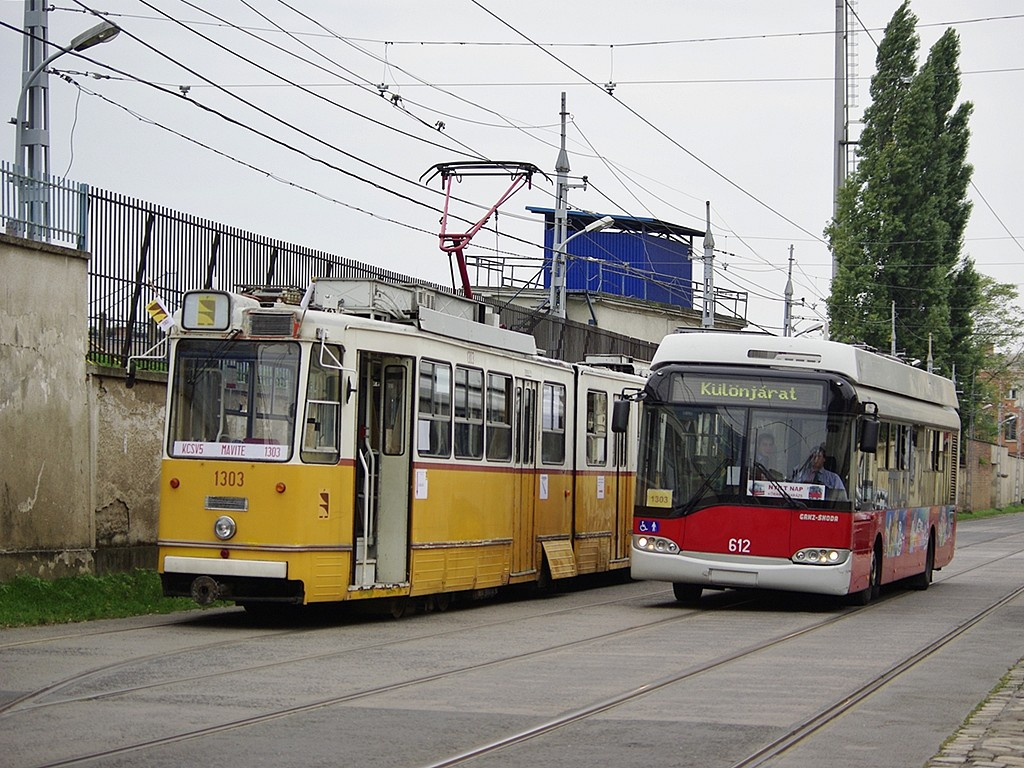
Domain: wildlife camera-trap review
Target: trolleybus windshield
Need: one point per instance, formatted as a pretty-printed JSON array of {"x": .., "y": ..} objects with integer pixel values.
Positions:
[
  {"x": 710, "y": 439},
  {"x": 233, "y": 400}
]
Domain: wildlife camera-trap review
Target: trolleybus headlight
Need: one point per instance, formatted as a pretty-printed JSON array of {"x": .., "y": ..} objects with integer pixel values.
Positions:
[
  {"x": 655, "y": 544},
  {"x": 224, "y": 528},
  {"x": 821, "y": 556}
]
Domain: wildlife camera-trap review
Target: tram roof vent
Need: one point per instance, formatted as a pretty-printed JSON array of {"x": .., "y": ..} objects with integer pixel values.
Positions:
[
  {"x": 271, "y": 323},
  {"x": 783, "y": 356}
]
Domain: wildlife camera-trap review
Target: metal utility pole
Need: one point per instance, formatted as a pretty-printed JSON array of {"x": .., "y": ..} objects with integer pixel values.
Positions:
[
  {"x": 787, "y": 312},
  {"x": 556, "y": 292},
  {"x": 707, "y": 319},
  {"x": 845, "y": 98},
  {"x": 32, "y": 123},
  {"x": 892, "y": 330},
  {"x": 32, "y": 118}
]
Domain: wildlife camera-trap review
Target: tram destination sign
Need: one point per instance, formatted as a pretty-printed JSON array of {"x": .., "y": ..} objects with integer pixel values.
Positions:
[{"x": 751, "y": 391}]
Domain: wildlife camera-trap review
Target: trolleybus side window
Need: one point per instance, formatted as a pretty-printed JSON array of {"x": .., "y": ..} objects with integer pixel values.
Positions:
[
  {"x": 434, "y": 427},
  {"x": 469, "y": 413},
  {"x": 597, "y": 428},
  {"x": 323, "y": 406},
  {"x": 552, "y": 437},
  {"x": 499, "y": 417}
]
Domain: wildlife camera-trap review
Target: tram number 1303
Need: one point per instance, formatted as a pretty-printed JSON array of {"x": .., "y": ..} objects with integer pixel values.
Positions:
[{"x": 229, "y": 479}]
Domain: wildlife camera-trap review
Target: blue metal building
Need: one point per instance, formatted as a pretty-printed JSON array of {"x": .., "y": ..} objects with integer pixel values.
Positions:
[{"x": 635, "y": 258}]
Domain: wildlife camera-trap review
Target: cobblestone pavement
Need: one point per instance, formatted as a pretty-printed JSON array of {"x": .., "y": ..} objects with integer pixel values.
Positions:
[{"x": 993, "y": 736}]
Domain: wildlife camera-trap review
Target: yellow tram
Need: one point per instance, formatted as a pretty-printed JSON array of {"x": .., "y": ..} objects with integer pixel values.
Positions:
[{"x": 381, "y": 441}]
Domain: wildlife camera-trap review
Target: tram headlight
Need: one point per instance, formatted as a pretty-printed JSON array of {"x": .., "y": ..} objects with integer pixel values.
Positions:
[
  {"x": 821, "y": 556},
  {"x": 656, "y": 544},
  {"x": 224, "y": 528}
]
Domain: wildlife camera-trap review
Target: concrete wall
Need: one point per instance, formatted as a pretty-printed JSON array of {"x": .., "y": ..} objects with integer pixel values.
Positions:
[
  {"x": 993, "y": 477},
  {"x": 127, "y": 427},
  {"x": 45, "y": 484}
]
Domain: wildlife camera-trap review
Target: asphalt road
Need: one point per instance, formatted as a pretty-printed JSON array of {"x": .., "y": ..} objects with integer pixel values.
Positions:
[{"x": 616, "y": 675}]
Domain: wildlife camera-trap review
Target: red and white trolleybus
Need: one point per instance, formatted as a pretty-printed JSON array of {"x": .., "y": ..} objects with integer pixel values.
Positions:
[{"x": 792, "y": 464}]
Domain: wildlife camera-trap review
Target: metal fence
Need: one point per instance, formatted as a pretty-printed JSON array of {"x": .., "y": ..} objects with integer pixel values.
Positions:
[
  {"x": 140, "y": 251},
  {"x": 51, "y": 209}
]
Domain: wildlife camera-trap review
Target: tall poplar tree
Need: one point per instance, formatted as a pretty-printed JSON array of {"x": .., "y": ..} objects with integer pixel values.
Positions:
[{"x": 898, "y": 232}]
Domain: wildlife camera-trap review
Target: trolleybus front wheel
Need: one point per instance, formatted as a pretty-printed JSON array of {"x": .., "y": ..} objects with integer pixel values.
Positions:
[
  {"x": 874, "y": 588},
  {"x": 687, "y": 594}
]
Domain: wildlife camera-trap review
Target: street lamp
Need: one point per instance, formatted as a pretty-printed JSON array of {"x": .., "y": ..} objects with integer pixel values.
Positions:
[
  {"x": 556, "y": 300},
  {"x": 27, "y": 136}
]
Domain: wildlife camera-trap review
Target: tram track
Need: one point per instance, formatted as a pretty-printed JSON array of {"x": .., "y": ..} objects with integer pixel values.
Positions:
[
  {"x": 780, "y": 745},
  {"x": 791, "y": 738},
  {"x": 25, "y": 701}
]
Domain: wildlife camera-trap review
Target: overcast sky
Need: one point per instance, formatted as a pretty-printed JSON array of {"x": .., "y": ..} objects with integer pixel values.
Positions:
[{"x": 729, "y": 101}]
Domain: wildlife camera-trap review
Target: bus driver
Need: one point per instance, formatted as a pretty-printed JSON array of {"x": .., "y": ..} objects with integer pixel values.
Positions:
[{"x": 813, "y": 471}]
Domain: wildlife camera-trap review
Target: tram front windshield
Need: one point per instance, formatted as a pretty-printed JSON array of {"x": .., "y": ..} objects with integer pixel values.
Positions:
[
  {"x": 236, "y": 394},
  {"x": 709, "y": 440}
]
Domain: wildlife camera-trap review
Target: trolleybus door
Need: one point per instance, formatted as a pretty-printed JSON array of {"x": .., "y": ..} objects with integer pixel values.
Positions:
[
  {"x": 524, "y": 553},
  {"x": 383, "y": 467}
]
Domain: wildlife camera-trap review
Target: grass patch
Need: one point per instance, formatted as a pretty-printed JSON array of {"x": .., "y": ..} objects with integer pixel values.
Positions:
[
  {"x": 980, "y": 514},
  {"x": 28, "y": 601}
]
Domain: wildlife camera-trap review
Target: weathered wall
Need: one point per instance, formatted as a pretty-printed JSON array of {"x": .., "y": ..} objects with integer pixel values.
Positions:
[
  {"x": 994, "y": 478},
  {"x": 46, "y": 525},
  {"x": 126, "y": 426}
]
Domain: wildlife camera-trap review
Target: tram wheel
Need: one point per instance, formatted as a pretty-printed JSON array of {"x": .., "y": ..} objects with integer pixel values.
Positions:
[
  {"x": 687, "y": 594},
  {"x": 398, "y": 607},
  {"x": 442, "y": 601}
]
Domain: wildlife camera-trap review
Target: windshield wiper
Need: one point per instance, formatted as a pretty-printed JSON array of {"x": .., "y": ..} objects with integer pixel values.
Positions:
[
  {"x": 704, "y": 487},
  {"x": 790, "y": 501}
]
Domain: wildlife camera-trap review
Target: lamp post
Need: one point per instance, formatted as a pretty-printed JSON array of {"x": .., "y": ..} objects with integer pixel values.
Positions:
[
  {"x": 556, "y": 300},
  {"x": 32, "y": 142}
]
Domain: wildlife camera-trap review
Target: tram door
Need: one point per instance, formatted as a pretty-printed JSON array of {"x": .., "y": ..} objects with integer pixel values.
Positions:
[
  {"x": 524, "y": 554},
  {"x": 383, "y": 467}
]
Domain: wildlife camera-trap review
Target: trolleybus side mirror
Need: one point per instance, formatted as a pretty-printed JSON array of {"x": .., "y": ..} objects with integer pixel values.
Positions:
[
  {"x": 620, "y": 415},
  {"x": 869, "y": 429}
]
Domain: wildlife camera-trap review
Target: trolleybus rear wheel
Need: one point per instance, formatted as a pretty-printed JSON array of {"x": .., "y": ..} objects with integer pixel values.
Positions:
[{"x": 688, "y": 594}]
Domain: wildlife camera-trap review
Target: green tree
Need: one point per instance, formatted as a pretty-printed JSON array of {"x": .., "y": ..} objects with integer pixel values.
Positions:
[{"x": 898, "y": 232}]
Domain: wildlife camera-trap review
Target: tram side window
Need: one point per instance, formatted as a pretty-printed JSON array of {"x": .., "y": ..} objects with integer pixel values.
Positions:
[
  {"x": 499, "y": 417},
  {"x": 434, "y": 427},
  {"x": 469, "y": 413},
  {"x": 320, "y": 438},
  {"x": 552, "y": 436},
  {"x": 597, "y": 427}
]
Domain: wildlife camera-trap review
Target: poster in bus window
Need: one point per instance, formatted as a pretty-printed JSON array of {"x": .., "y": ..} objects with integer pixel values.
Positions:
[{"x": 783, "y": 488}]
